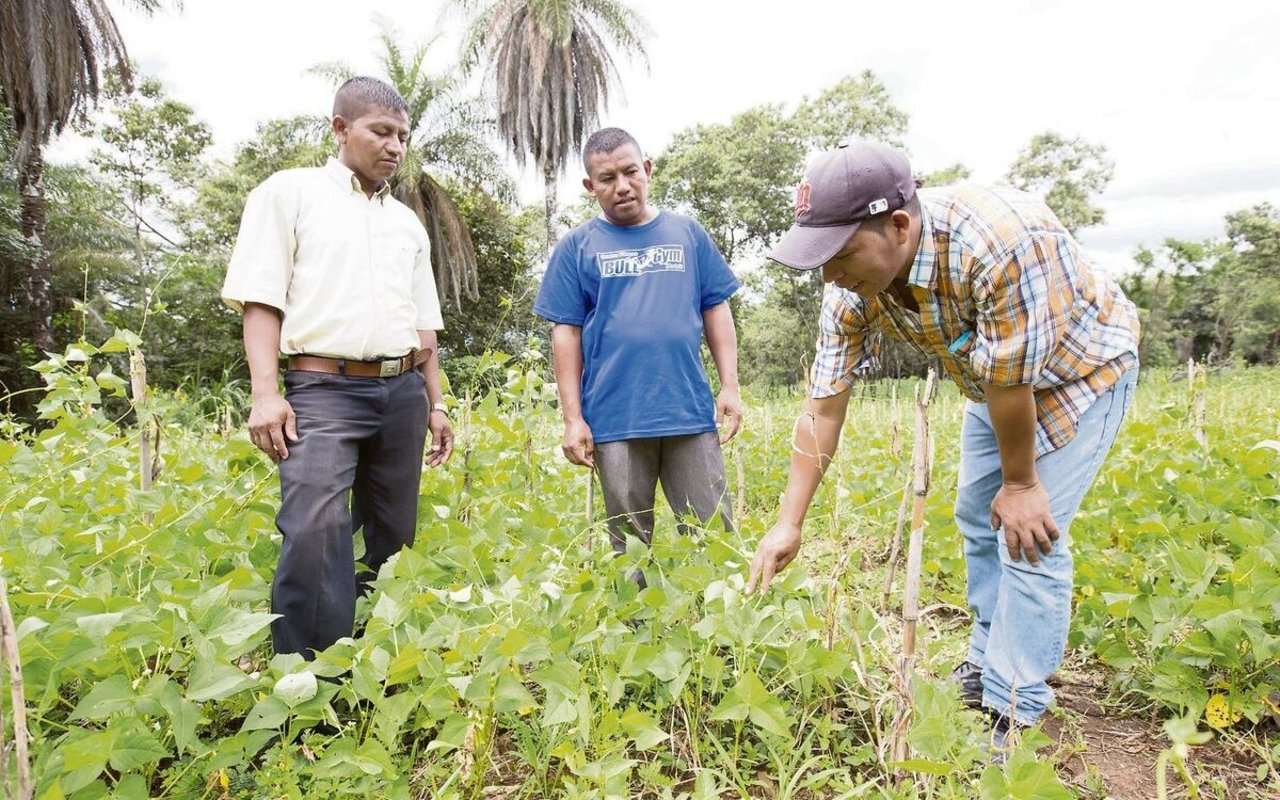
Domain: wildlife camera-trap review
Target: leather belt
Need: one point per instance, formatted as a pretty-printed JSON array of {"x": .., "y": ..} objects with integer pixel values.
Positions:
[{"x": 383, "y": 368}]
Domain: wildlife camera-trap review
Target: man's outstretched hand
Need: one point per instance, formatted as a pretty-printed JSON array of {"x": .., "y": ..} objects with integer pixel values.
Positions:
[{"x": 776, "y": 550}]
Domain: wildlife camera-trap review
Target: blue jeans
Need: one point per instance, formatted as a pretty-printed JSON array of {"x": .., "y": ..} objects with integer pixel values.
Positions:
[{"x": 1022, "y": 612}]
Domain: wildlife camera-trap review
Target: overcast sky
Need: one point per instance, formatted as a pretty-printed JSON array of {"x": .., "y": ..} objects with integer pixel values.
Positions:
[{"x": 1185, "y": 96}]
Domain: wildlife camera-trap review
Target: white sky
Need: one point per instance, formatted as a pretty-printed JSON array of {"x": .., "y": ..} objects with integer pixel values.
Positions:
[{"x": 1184, "y": 95}]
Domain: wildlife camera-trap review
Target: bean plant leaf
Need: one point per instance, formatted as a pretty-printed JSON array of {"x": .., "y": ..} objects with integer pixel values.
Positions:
[
  {"x": 106, "y": 698},
  {"x": 749, "y": 699},
  {"x": 641, "y": 729},
  {"x": 135, "y": 747},
  {"x": 296, "y": 688},
  {"x": 213, "y": 680}
]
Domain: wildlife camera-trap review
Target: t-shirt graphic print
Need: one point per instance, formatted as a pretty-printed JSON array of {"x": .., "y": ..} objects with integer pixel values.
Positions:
[{"x": 638, "y": 293}]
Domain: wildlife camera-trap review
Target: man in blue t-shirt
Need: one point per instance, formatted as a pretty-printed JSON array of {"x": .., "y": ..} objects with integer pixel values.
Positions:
[{"x": 632, "y": 293}]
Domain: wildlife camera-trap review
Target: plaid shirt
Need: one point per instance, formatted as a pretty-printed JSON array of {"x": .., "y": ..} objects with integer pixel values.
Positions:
[{"x": 1006, "y": 297}]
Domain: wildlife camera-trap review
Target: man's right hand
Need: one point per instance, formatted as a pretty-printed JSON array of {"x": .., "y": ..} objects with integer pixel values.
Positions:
[
  {"x": 271, "y": 422},
  {"x": 578, "y": 446},
  {"x": 776, "y": 550}
]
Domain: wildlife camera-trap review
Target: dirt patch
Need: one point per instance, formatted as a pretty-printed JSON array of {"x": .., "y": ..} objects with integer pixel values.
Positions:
[{"x": 1103, "y": 754}]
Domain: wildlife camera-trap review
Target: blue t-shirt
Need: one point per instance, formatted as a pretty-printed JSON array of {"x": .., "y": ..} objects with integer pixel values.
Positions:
[{"x": 638, "y": 294}]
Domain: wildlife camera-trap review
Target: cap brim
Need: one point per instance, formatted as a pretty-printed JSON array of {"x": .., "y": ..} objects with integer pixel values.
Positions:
[{"x": 809, "y": 248}]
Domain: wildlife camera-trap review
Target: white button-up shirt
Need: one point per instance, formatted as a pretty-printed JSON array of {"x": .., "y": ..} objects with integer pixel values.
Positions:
[{"x": 351, "y": 274}]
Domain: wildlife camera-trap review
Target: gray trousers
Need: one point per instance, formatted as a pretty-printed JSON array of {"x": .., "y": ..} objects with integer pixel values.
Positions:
[
  {"x": 690, "y": 468},
  {"x": 357, "y": 463}
]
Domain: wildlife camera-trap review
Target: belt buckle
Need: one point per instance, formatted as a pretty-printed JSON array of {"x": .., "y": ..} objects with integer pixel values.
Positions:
[{"x": 389, "y": 368}]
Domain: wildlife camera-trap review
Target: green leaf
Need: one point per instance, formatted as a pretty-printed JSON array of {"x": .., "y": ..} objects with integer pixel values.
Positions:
[
  {"x": 512, "y": 696},
  {"x": 641, "y": 729},
  {"x": 97, "y": 626},
  {"x": 135, "y": 747},
  {"x": 924, "y": 765},
  {"x": 749, "y": 699},
  {"x": 89, "y": 750},
  {"x": 108, "y": 697},
  {"x": 132, "y": 787},
  {"x": 344, "y": 760},
  {"x": 184, "y": 718},
  {"x": 296, "y": 688},
  {"x": 122, "y": 340},
  {"x": 268, "y": 714},
  {"x": 666, "y": 666},
  {"x": 240, "y": 626},
  {"x": 452, "y": 735},
  {"x": 213, "y": 680},
  {"x": 84, "y": 759}
]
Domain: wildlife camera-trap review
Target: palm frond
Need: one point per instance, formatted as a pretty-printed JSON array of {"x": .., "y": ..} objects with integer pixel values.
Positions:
[{"x": 52, "y": 56}]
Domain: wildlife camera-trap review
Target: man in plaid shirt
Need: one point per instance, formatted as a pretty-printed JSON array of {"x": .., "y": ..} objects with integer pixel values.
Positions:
[{"x": 1044, "y": 348}]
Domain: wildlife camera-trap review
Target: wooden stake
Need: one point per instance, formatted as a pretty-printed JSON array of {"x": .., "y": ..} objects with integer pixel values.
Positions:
[
  {"x": 591, "y": 497},
  {"x": 1197, "y": 404},
  {"x": 138, "y": 385},
  {"x": 911, "y": 592},
  {"x": 9, "y": 654},
  {"x": 740, "y": 502},
  {"x": 896, "y": 547}
]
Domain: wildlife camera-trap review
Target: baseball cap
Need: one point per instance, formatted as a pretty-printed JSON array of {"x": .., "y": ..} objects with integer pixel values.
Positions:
[{"x": 843, "y": 187}]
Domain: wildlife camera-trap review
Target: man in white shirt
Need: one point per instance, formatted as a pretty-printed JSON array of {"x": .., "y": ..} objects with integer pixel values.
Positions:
[{"x": 334, "y": 273}]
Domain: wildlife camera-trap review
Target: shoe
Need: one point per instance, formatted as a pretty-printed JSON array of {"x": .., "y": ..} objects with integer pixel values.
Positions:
[
  {"x": 1003, "y": 736},
  {"x": 968, "y": 676}
]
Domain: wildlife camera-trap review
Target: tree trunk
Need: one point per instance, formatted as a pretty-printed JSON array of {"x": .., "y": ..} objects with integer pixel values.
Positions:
[
  {"x": 39, "y": 294},
  {"x": 550, "y": 182}
]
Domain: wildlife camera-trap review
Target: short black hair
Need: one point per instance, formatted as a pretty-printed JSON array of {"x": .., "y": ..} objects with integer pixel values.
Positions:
[
  {"x": 355, "y": 97},
  {"x": 606, "y": 140}
]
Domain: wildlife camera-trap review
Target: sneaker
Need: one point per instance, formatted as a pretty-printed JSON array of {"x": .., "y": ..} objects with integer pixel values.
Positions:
[{"x": 968, "y": 676}]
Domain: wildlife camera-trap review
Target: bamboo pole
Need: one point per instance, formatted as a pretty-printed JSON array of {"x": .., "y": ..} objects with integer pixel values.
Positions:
[
  {"x": 915, "y": 546},
  {"x": 9, "y": 654}
]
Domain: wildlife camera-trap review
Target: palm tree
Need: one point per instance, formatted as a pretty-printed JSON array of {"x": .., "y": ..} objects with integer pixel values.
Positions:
[
  {"x": 52, "y": 54},
  {"x": 449, "y": 136},
  {"x": 551, "y": 66}
]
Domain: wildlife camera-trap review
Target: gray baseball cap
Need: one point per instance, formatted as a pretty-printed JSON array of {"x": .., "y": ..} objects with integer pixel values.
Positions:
[{"x": 843, "y": 187}]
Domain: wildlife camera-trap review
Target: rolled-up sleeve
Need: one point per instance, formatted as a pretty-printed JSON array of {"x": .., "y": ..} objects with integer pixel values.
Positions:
[
  {"x": 1023, "y": 301},
  {"x": 262, "y": 261},
  {"x": 845, "y": 348}
]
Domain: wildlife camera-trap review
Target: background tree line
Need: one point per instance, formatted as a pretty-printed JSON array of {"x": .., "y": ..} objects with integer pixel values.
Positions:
[{"x": 137, "y": 235}]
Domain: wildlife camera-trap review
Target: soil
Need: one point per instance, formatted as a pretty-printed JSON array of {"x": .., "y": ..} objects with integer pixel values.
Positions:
[{"x": 1103, "y": 754}]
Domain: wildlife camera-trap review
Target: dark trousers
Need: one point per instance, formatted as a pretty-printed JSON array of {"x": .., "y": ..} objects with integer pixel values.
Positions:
[
  {"x": 357, "y": 463},
  {"x": 690, "y": 469}
]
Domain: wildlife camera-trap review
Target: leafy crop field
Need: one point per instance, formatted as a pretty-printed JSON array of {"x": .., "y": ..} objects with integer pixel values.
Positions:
[{"x": 508, "y": 656}]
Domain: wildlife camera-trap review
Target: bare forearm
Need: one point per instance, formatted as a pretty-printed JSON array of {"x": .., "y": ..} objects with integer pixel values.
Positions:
[
  {"x": 431, "y": 367},
  {"x": 262, "y": 348},
  {"x": 817, "y": 435},
  {"x": 1013, "y": 416},
  {"x": 722, "y": 341},
  {"x": 566, "y": 354}
]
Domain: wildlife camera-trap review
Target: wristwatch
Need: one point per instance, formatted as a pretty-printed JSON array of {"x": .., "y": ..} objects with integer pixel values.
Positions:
[{"x": 441, "y": 407}]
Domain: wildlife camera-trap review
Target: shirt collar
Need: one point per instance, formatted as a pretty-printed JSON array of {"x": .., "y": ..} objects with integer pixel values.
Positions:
[
  {"x": 924, "y": 267},
  {"x": 344, "y": 177}
]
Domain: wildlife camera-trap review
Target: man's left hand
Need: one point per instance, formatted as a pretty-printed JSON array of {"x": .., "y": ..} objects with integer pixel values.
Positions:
[
  {"x": 729, "y": 407},
  {"x": 1023, "y": 510},
  {"x": 441, "y": 439}
]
